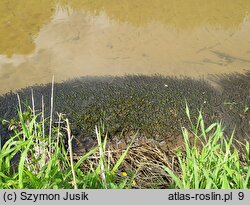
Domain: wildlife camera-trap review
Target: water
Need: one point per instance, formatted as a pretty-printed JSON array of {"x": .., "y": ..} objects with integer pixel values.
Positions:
[{"x": 67, "y": 39}]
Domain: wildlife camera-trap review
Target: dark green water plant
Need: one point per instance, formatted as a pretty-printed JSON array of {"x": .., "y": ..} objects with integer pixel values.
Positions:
[{"x": 152, "y": 104}]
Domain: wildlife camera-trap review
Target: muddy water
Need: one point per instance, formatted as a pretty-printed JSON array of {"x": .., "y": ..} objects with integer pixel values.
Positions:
[{"x": 67, "y": 39}]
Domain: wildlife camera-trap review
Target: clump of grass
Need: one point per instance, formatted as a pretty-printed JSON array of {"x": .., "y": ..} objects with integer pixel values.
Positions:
[
  {"x": 36, "y": 166},
  {"x": 46, "y": 163},
  {"x": 104, "y": 169},
  {"x": 43, "y": 161},
  {"x": 210, "y": 160}
]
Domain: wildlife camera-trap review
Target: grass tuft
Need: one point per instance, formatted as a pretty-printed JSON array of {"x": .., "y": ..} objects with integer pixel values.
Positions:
[{"x": 210, "y": 160}]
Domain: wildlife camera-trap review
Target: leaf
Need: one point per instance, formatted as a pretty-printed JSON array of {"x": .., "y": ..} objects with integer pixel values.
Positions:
[
  {"x": 84, "y": 157},
  {"x": 174, "y": 177},
  {"x": 21, "y": 163}
]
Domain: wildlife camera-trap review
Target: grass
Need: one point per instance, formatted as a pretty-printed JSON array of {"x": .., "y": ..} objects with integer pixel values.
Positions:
[
  {"x": 44, "y": 158},
  {"x": 211, "y": 161},
  {"x": 43, "y": 161}
]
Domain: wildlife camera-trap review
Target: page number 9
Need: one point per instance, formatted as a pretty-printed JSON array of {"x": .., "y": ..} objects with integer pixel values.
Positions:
[{"x": 241, "y": 195}]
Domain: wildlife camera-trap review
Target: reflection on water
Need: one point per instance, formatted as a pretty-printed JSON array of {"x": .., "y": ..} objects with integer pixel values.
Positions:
[
  {"x": 20, "y": 22},
  {"x": 181, "y": 14},
  {"x": 65, "y": 38}
]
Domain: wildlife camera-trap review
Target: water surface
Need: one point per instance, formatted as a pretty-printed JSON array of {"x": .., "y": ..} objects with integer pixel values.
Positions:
[{"x": 39, "y": 39}]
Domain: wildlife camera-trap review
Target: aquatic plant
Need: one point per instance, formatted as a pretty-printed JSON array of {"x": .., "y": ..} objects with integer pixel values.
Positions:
[{"x": 152, "y": 104}]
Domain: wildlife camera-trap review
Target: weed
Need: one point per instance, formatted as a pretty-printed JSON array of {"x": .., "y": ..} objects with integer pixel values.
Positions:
[{"x": 211, "y": 161}]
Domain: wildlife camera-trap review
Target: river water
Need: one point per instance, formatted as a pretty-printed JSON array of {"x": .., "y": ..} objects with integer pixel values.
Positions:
[{"x": 72, "y": 38}]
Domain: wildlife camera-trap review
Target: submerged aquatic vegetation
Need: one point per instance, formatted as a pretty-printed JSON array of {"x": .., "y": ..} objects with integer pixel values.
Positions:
[
  {"x": 128, "y": 103},
  {"x": 154, "y": 105}
]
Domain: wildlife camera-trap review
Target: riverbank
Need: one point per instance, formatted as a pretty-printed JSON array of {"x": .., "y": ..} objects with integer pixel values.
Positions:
[
  {"x": 153, "y": 109},
  {"x": 205, "y": 158}
]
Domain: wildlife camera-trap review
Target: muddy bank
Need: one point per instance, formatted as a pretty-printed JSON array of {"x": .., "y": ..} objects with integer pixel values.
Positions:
[{"x": 154, "y": 105}]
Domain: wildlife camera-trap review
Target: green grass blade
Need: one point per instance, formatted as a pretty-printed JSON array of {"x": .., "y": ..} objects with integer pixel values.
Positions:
[
  {"x": 176, "y": 179},
  {"x": 119, "y": 161},
  {"x": 21, "y": 163}
]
